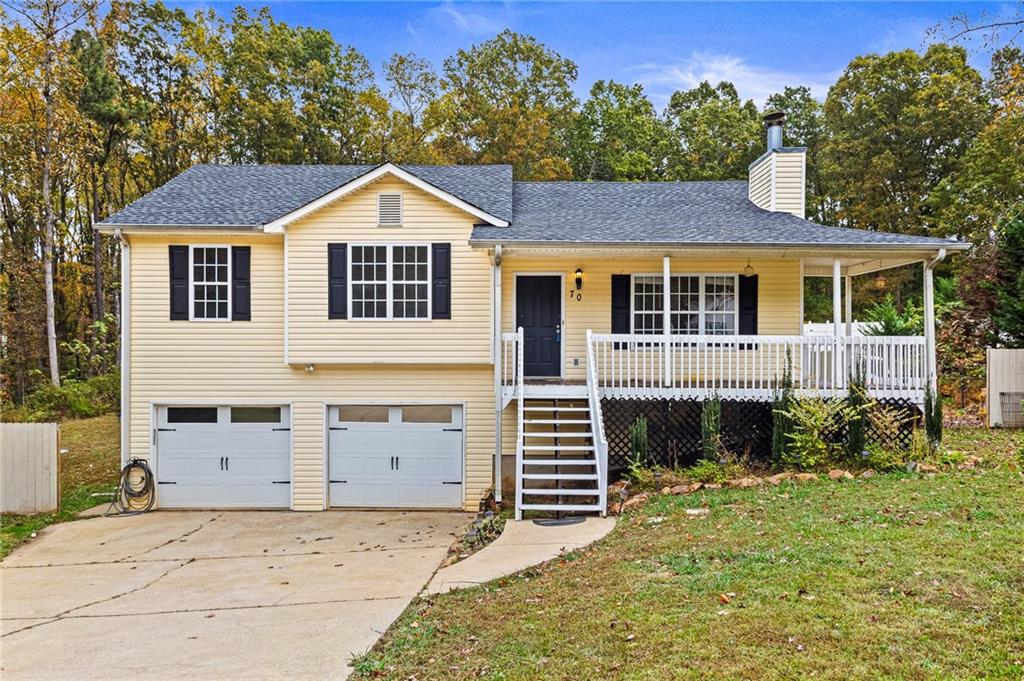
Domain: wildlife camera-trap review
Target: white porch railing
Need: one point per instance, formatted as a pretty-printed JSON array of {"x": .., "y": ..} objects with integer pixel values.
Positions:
[
  {"x": 511, "y": 366},
  {"x": 597, "y": 426},
  {"x": 517, "y": 383},
  {"x": 752, "y": 367}
]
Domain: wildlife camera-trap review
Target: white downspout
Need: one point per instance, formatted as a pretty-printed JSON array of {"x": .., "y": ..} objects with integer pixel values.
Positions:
[
  {"x": 931, "y": 365},
  {"x": 496, "y": 349},
  {"x": 125, "y": 350}
]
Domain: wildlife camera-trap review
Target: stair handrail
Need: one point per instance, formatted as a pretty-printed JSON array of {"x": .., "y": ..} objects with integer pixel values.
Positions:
[
  {"x": 597, "y": 427},
  {"x": 519, "y": 422}
]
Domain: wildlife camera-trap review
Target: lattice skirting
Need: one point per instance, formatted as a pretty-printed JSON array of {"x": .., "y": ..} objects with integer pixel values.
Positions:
[{"x": 673, "y": 429}]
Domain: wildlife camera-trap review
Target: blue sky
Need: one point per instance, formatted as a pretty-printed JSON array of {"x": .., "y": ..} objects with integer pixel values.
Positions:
[{"x": 761, "y": 47}]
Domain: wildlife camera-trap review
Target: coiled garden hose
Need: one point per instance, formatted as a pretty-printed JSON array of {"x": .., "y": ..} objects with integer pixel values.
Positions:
[{"x": 136, "y": 490}]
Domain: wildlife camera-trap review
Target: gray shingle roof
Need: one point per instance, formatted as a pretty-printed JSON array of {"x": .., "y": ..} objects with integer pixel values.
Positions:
[
  {"x": 249, "y": 196},
  {"x": 698, "y": 213}
]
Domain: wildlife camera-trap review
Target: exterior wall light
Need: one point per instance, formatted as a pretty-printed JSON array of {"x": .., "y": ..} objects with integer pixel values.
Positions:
[
  {"x": 880, "y": 281},
  {"x": 310, "y": 368},
  {"x": 748, "y": 271},
  {"x": 579, "y": 278}
]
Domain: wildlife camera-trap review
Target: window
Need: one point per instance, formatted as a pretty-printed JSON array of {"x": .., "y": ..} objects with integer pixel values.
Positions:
[
  {"x": 255, "y": 414},
  {"x": 363, "y": 414},
  {"x": 699, "y": 304},
  {"x": 391, "y": 282},
  {"x": 389, "y": 210},
  {"x": 191, "y": 414},
  {"x": 210, "y": 290},
  {"x": 426, "y": 413}
]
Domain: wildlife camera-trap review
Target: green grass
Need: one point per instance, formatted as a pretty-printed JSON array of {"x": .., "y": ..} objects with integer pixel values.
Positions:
[
  {"x": 90, "y": 465},
  {"x": 898, "y": 576}
]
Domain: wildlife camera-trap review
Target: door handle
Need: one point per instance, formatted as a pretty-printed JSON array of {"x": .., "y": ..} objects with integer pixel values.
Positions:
[
  {"x": 227, "y": 463},
  {"x": 222, "y": 463},
  {"x": 396, "y": 463}
]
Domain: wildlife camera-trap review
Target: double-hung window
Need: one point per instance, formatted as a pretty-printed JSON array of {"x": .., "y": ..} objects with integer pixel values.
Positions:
[
  {"x": 698, "y": 304},
  {"x": 390, "y": 281},
  {"x": 209, "y": 288}
]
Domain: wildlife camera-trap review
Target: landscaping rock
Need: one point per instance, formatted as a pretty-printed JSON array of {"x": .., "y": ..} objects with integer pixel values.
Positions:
[
  {"x": 778, "y": 478},
  {"x": 635, "y": 502},
  {"x": 615, "y": 508},
  {"x": 666, "y": 491},
  {"x": 971, "y": 462},
  {"x": 927, "y": 468},
  {"x": 616, "y": 487},
  {"x": 805, "y": 477},
  {"x": 868, "y": 474},
  {"x": 744, "y": 483},
  {"x": 837, "y": 474},
  {"x": 687, "y": 489}
]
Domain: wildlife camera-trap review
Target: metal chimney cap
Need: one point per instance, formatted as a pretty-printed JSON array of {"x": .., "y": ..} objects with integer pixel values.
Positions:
[{"x": 774, "y": 118}]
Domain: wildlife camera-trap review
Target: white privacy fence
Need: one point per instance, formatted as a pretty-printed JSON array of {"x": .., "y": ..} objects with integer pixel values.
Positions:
[
  {"x": 753, "y": 367},
  {"x": 28, "y": 463}
]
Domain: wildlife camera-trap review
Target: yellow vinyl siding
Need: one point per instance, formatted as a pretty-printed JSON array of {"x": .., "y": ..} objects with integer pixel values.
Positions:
[
  {"x": 778, "y": 301},
  {"x": 789, "y": 183},
  {"x": 313, "y": 338},
  {"x": 759, "y": 189},
  {"x": 242, "y": 362}
]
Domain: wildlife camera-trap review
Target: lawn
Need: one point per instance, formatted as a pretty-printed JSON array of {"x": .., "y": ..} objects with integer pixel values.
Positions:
[
  {"x": 91, "y": 464},
  {"x": 898, "y": 576}
]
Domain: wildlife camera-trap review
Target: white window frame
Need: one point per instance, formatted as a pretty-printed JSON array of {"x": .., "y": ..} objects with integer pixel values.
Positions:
[
  {"x": 701, "y": 276},
  {"x": 192, "y": 288},
  {"x": 401, "y": 210},
  {"x": 390, "y": 280}
]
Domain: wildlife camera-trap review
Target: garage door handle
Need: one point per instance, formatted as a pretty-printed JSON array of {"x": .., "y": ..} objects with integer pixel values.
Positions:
[{"x": 222, "y": 463}]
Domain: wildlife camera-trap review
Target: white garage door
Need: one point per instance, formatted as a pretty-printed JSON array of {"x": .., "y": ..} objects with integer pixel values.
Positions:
[
  {"x": 396, "y": 456},
  {"x": 223, "y": 457}
]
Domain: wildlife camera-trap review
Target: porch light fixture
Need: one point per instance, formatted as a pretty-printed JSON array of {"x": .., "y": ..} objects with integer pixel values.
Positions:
[
  {"x": 579, "y": 278},
  {"x": 748, "y": 271},
  {"x": 880, "y": 281}
]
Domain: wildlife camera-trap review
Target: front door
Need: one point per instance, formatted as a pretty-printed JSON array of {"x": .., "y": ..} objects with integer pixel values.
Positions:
[{"x": 539, "y": 313}]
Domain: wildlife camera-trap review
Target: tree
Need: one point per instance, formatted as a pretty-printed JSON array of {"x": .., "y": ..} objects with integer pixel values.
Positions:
[
  {"x": 617, "y": 135},
  {"x": 1008, "y": 315},
  {"x": 898, "y": 124},
  {"x": 805, "y": 127},
  {"x": 715, "y": 135},
  {"x": 988, "y": 186},
  {"x": 508, "y": 100}
]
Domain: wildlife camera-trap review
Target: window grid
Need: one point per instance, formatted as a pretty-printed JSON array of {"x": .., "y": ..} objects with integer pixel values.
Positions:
[
  {"x": 210, "y": 273},
  {"x": 390, "y": 281},
  {"x": 704, "y": 303}
]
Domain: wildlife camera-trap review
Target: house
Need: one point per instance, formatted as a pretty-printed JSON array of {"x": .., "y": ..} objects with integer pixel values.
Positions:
[{"x": 310, "y": 337}]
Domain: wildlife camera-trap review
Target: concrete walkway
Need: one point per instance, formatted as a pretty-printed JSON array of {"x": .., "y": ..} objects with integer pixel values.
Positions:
[
  {"x": 523, "y": 544},
  {"x": 213, "y": 595}
]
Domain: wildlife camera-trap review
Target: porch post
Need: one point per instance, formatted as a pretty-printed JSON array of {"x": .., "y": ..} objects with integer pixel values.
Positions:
[
  {"x": 666, "y": 316},
  {"x": 929, "y": 326},
  {"x": 849, "y": 305},
  {"x": 837, "y": 319},
  {"x": 497, "y": 348}
]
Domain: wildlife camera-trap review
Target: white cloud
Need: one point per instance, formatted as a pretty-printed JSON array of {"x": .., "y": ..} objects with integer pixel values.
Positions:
[
  {"x": 752, "y": 81},
  {"x": 457, "y": 19}
]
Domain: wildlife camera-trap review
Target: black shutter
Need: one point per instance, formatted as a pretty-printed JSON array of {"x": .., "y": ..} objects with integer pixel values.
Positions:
[
  {"x": 337, "y": 281},
  {"x": 441, "y": 284},
  {"x": 240, "y": 289},
  {"x": 620, "y": 303},
  {"x": 748, "y": 306},
  {"x": 179, "y": 281}
]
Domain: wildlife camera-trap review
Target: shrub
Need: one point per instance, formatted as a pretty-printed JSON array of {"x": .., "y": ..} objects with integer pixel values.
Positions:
[
  {"x": 932, "y": 416},
  {"x": 637, "y": 447},
  {"x": 860, "y": 404},
  {"x": 707, "y": 470},
  {"x": 886, "y": 424},
  {"x": 882, "y": 459},
  {"x": 888, "y": 320},
  {"x": 782, "y": 424},
  {"x": 815, "y": 422},
  {"x": 711, "y": 428},
  {"x": 72, "y": 399}
]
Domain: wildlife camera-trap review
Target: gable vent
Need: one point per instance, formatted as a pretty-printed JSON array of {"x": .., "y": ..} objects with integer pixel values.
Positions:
[{"x": 389, "y": 210}]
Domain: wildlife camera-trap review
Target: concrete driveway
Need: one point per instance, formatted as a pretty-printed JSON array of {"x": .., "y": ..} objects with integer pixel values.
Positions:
[{"x": 213, "y": 595}]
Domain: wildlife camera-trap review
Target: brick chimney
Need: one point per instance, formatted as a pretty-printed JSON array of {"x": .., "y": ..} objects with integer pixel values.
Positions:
[{"x": 777, "y": 179}]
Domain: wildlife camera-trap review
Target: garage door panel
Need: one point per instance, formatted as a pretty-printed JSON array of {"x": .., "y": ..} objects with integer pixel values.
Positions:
[
  {"x": 223, "y": 464},
  {"x": 398, "y": 464}
]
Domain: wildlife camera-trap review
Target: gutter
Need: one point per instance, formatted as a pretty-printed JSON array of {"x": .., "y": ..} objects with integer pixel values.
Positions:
[
  {"x": 683, "y": 245},
  {"x": 115, "y": 228}
]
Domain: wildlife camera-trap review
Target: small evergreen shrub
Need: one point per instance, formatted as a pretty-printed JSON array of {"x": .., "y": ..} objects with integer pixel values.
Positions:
[
  {"x": 932, "y": 417},
  {"x": 637, "y": 448},
  {"x": 782, "y": 424},
  {"x": 711, "y": 428},
  {"x": 860, "y": 404}
]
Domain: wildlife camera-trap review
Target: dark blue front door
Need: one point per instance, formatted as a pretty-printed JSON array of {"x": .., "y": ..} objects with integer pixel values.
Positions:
[{"x": 539, "y": 313}]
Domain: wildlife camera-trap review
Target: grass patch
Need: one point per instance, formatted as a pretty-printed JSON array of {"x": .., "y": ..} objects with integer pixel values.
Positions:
[
  {"x": 91, "y": 465},
  {"x": 900, "y": 576}
]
